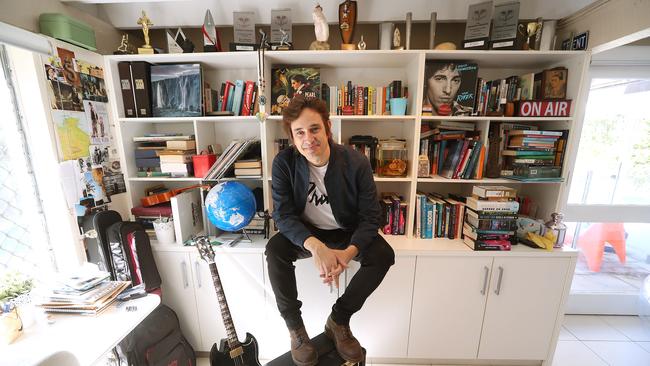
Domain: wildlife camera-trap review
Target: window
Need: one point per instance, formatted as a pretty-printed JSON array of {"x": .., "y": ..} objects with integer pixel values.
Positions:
[{"x": 24, "y": 243}]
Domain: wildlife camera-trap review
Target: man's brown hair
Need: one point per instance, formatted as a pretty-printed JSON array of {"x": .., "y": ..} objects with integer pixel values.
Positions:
[{"x": 295, "y": 108}]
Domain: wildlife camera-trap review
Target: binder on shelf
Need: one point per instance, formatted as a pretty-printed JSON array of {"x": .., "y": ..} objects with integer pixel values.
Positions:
[
  {"x": 141, "y": 73},
  {"x": 126, "y": 86}
]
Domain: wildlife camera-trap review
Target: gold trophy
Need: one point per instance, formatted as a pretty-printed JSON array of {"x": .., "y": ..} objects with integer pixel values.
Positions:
[
  {"x": 533, "y": 32},
  {"x": 145, "y": 22}
]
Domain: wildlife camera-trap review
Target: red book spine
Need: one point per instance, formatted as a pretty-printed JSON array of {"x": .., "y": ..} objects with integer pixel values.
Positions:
[{"x": 248, "y": 98}]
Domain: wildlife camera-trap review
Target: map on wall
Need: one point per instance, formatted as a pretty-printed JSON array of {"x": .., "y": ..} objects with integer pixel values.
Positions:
[{"x": 73, "y": 133}]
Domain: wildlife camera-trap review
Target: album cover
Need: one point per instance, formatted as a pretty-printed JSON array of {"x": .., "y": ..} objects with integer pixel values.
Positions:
[
  {"x": 286, "y": 82},
  {"x": 176, "y": 90},
  {"x": 449, "y": 88}
]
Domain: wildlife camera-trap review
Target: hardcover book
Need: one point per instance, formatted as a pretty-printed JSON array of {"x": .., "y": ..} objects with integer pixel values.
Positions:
[
  {"x": 176, "y": 90},
  {"x": 286, "y": 82}
]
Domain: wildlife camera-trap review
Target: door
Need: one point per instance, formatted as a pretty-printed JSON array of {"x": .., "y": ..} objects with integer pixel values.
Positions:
[
  {"x": 449, "y": 299},
  {"x": 522, "y": 307},
  {"x": 178, "y": 292},
  {"x": 242, "y": 279},
  {"x": 317, "y": 300},
  {"x": 382, "y": 325}
]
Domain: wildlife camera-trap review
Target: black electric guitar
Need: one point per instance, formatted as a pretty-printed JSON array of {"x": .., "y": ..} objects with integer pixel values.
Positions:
[{"x": 230, "y": 352}]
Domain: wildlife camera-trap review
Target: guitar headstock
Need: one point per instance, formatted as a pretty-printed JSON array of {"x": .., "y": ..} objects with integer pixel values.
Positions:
[{"x": 205, "y": 248}]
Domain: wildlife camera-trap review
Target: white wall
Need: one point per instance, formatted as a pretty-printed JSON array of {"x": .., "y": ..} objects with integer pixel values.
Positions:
[{"x": 611, "y": 23}]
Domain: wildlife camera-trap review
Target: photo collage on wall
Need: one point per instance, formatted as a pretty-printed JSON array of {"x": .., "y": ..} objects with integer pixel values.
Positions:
[{"x": 90, "y": 164}]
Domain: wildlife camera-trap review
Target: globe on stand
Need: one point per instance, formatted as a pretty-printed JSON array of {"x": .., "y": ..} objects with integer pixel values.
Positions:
[{"x": 230, "y": 206}]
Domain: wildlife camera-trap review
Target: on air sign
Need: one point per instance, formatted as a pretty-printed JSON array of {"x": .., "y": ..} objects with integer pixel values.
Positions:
[{"x": 545, "y": 108}]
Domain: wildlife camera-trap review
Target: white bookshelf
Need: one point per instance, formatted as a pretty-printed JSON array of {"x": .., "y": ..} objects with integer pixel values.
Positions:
[{"x": 371, "y": 67}]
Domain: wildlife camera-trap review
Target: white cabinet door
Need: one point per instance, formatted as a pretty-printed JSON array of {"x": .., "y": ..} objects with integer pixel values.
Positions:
[
  {"x": 242, "y": 279},
  {"x": 178, "y": 292},
  {"x": 449, "y": 299},
  {"x": 382, "y": 325},
  {"x": 522, "y": 308},
  {"x": 317, "y": 301}
]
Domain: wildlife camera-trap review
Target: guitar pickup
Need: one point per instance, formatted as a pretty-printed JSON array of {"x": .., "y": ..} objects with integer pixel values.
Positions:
[{"x": 236, "y": 352}]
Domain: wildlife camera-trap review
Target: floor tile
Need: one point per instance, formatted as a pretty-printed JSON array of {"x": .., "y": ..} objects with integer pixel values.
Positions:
[
  {"x": 600, "y": 283},
  {"x": 573, "y": 353},
  {"x": 592, "y": 328},
  {"x": 633, "y": 327},
  {"x": 620, "y": 353},
  {"x": 565, "y": 335},
  {"x": 645, "y": 345}
]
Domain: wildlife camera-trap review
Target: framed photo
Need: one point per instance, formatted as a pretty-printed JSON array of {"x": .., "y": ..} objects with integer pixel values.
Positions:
[{"x": 554, "y": 83}]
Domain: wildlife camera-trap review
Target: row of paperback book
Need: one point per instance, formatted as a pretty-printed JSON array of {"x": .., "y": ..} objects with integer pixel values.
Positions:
[
  {"x": 348, "y": 99},
  {"x": 394, "y": 210},
  {"x": 437, "y": 216},
  {"x": 165, "y": 155},
  {"x": 452, "y": 150},
  {"x": 178, "y": 90}
]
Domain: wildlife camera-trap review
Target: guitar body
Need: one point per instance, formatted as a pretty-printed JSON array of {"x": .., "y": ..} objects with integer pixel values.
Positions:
[{"x": 221, "y": 356}]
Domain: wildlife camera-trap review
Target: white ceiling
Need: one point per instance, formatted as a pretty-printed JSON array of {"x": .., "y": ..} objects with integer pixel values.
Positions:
[{"x": 190, "y": 13}]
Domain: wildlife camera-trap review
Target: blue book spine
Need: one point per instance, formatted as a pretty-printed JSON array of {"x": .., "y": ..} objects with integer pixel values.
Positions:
[
  {"x": 231, "y": 95},
  {"x": 237, "y": 98}
]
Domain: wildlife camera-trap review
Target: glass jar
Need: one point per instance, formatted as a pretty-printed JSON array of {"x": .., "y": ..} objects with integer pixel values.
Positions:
[{"x": 392, "y": 158}]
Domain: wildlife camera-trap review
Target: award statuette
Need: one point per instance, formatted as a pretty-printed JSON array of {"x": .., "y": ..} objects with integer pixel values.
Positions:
[
  {"x": 211, "y": 40},
  {"x": 504, "y": 26},
  {"x": 125, "y": 48},
  {"x": 321, "y": 29},
  {"x": 477, "y": 29},
  {"x": 145, "y": 22},
  {"x": 244, "y": 31},
  {"x": 347, "y": 22},
  {"x": 532, "y": 33}
]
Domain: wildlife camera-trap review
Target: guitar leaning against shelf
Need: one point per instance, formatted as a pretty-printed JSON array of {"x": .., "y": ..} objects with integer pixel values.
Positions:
[
  {"x": 230, "y": 351},
  {"x": 164, "y": 197}
]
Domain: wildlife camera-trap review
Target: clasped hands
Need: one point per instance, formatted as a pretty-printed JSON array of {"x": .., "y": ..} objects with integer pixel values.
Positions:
[{"x": 330, "y": 262}]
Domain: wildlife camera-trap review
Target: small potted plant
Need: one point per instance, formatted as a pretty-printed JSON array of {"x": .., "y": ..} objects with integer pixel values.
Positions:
[{"x": 14, "y": 291}]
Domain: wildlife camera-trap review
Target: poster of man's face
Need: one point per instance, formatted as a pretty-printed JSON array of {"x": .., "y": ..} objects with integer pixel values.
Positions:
[{"x": 449, "y": 88}]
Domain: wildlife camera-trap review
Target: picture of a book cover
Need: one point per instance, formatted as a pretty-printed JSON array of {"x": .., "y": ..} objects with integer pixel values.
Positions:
[
  {"x": 290, "y": 81},
  {"x": 449, "y": 88},
  {"x": 176, "y": 90}
]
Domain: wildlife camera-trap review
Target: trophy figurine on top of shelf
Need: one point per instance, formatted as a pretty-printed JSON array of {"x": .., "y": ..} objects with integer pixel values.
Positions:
[
  {"x": 504, "y": 26},
  {"x": 146, "y": 23},
  {"x": 347, "y": 22},
  {"x": 321, "y": 29},
  {"x": 477, "y": 29},
  {"x": 178, "y": 42},
  {"x": 532, "y": 33},
  {"x": 281, "y": 35},
  {"x": 211, "y": 39},
  {"x": 125, "y": 48},
  {"x": 397, "y": 40}
]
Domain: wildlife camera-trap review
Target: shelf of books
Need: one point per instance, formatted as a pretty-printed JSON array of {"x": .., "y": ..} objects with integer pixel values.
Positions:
[{"x": 432, "y": 123}]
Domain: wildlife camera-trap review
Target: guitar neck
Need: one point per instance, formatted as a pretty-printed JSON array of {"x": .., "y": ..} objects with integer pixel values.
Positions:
[{"x": 233, "y": 341}]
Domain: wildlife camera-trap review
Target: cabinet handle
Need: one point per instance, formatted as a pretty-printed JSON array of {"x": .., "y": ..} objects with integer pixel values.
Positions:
[
  {"x": 485, "y": 280},
  {"x": 498, "y": 290},
  {"x": 198, "y": 274},
  {"x": 184, "y": 269}
]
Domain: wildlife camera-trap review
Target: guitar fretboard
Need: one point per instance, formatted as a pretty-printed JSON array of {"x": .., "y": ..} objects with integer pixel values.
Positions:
[{"x": 233, "y": 341}]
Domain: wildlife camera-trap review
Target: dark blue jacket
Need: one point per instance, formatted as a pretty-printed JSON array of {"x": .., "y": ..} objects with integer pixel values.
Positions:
[{"x": 350, "y": 187}]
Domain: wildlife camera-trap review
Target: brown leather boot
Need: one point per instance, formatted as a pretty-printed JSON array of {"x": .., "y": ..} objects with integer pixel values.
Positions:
[
  {"x": 346, "y": 345},
  {"x": 303, "y": 352}
]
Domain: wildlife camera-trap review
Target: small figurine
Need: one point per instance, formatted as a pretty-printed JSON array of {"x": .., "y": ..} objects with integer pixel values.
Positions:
[
  {"x": 211, "y": 39},
  {"x": 397, "y": 40},
  {"x": 321, "y": 28},
  {"x": 124, "y": 48},
  {"x": 361, "y": 45},
  {"x": 146, "y": 23}
]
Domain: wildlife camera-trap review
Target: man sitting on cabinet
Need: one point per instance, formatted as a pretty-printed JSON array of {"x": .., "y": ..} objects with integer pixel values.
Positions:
[{"x": 326, "y": 207}]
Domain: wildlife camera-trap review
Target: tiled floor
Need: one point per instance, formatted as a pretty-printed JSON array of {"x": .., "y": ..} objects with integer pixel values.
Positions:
[{"x": 587, "y": 340}]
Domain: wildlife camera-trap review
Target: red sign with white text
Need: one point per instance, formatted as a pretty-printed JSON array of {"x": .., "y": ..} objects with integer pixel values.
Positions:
[{"x": 544, "y": 108}]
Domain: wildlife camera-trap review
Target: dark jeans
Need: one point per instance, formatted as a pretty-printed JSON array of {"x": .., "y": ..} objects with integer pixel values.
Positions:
[{"x": 281, "y": 253}]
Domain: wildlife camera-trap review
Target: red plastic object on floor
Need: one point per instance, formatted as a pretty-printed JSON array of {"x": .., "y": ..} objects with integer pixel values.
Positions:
[{"x": 592, "y": 243}]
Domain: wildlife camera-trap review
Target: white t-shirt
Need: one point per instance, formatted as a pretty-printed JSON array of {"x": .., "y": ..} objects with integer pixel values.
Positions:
[{"x": 318, "y": 211}]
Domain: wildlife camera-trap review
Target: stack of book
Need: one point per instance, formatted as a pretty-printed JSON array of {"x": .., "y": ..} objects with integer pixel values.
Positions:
[
  {"x": 87, "y": 294},
  {"x": 176, "y": 159},
  {"x": 437, "y": 216},
  {"x": 150, "y": 146},
  {"x": 394, "y": 211},
  {"x": 248, "y": 168},
  {"x": 454, "y": 150},
  {"x": 145, "y": 216},
  {"x": 491, "y": 218},
  {"x": 531, "y": 155}
]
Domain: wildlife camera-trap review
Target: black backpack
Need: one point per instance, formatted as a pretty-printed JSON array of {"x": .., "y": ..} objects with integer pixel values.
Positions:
[
  {"x": 158, "y": 341},
  {"x": 130, "y": 255}
]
